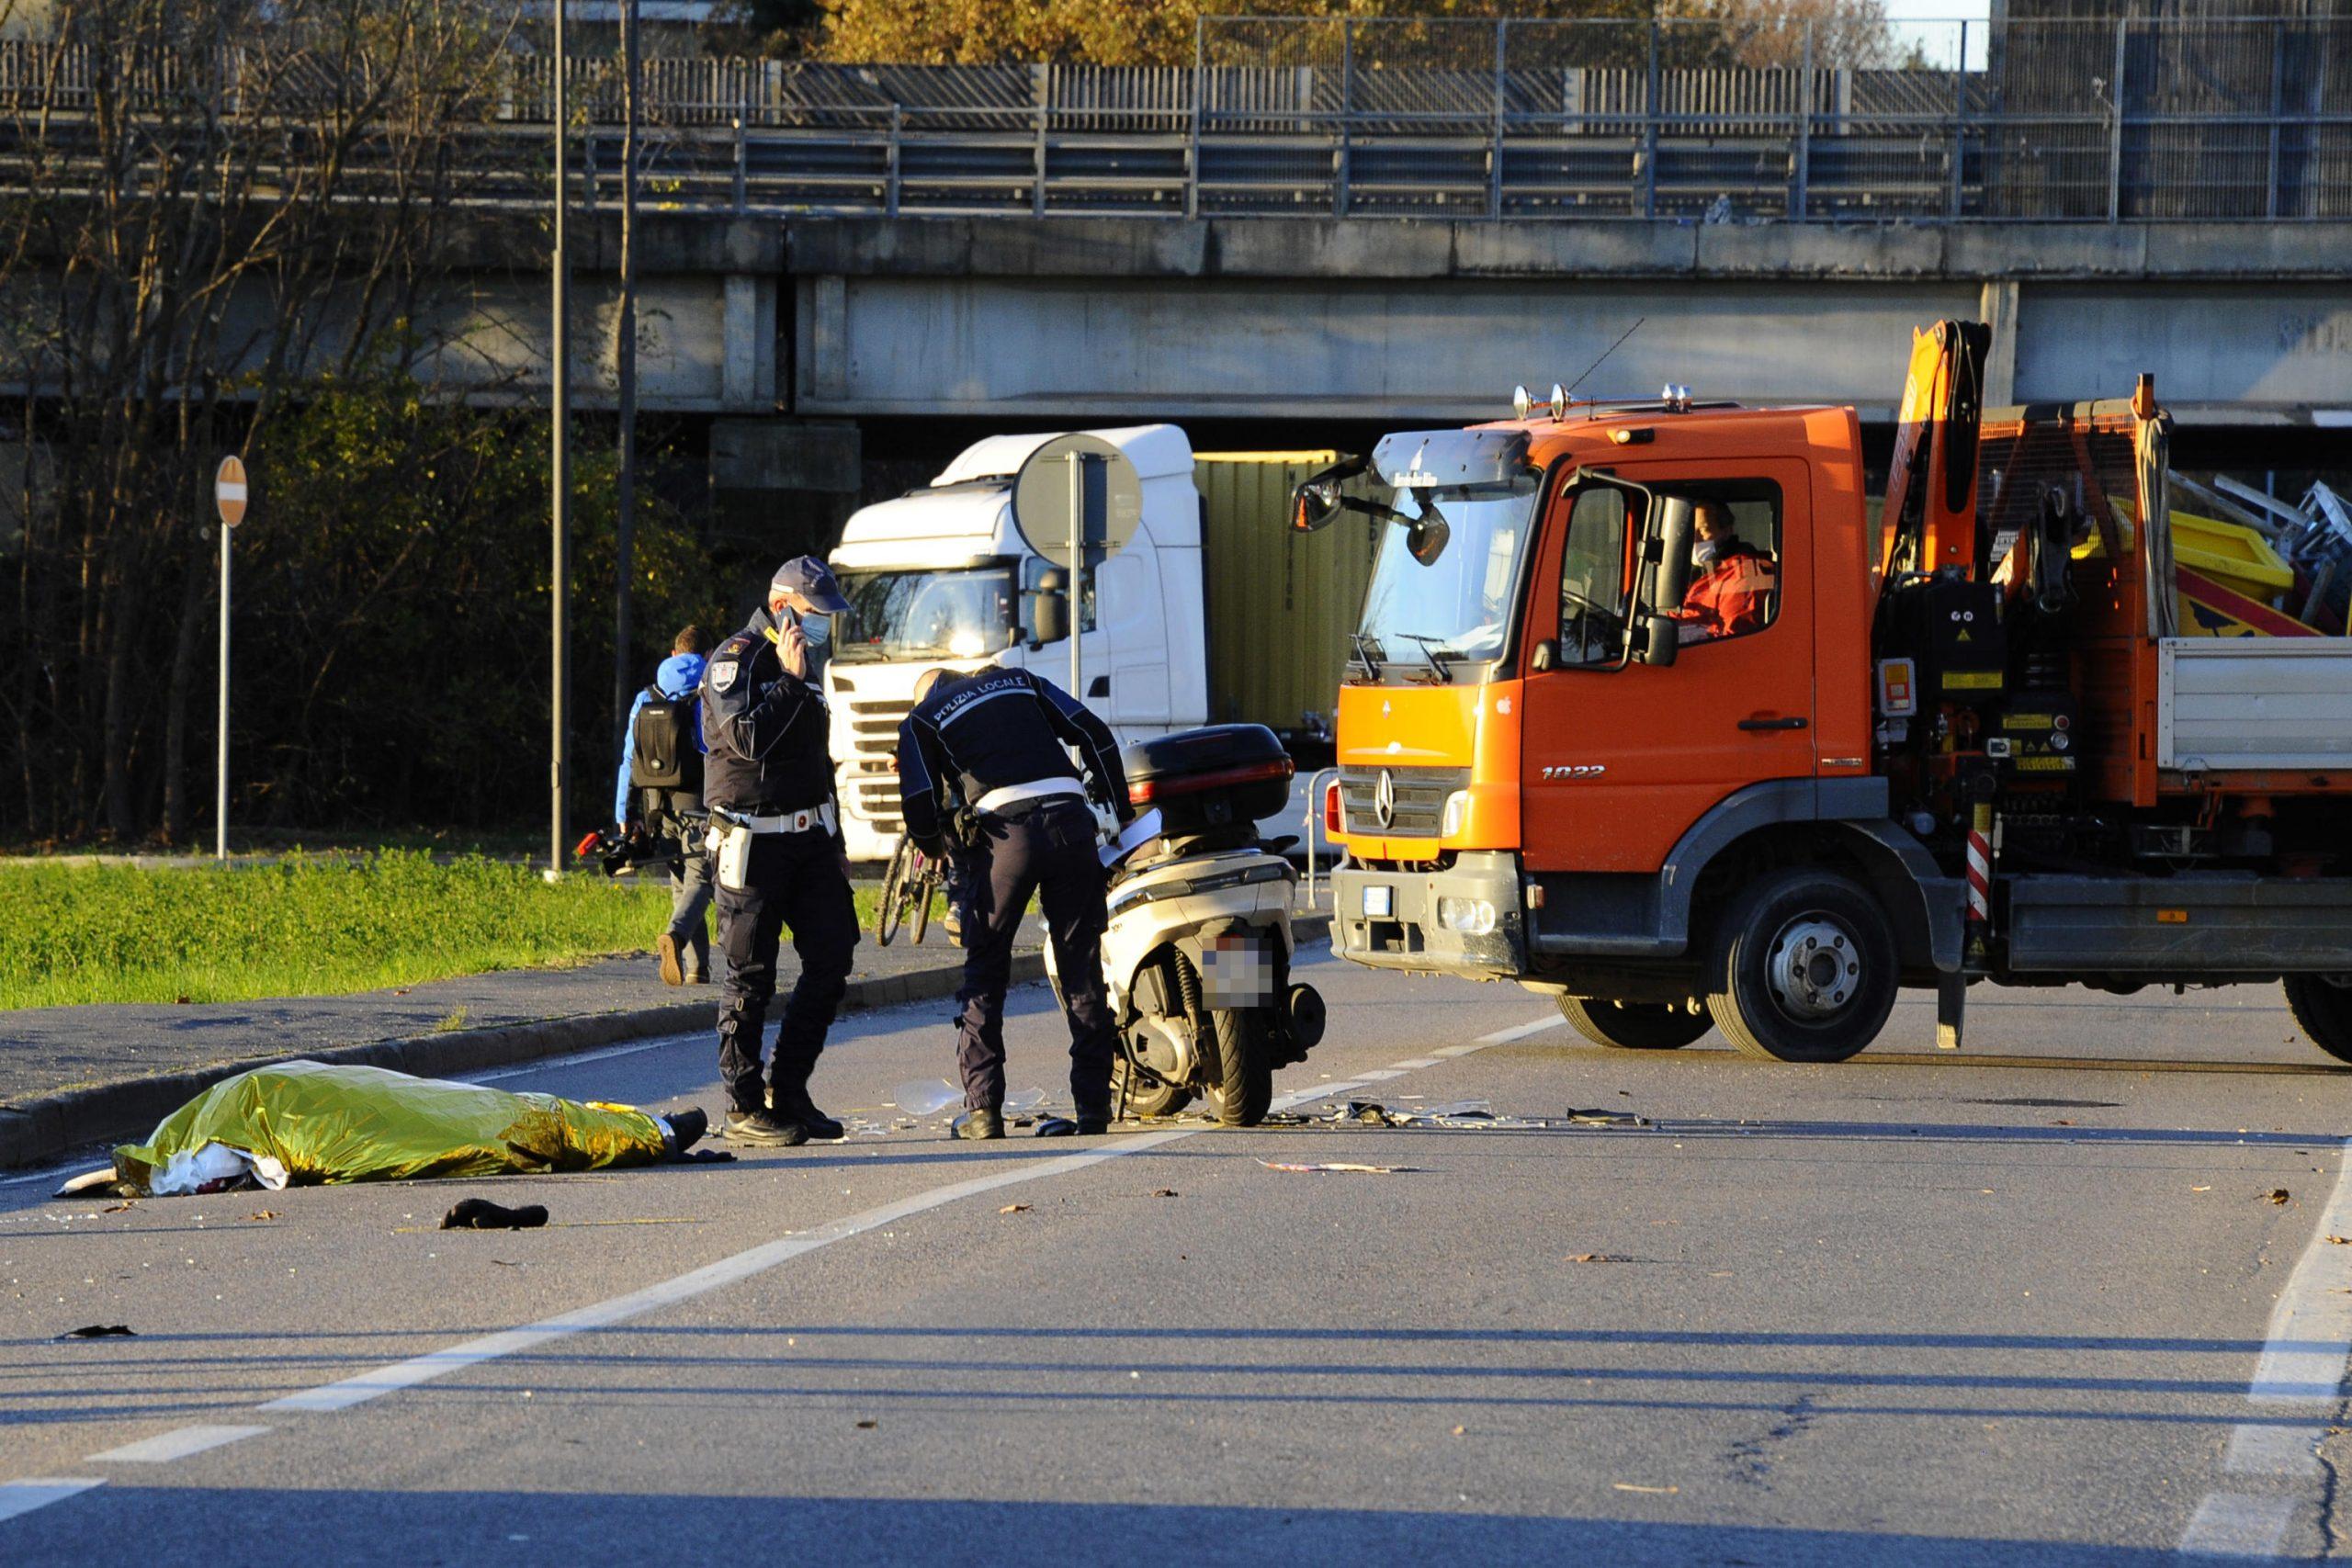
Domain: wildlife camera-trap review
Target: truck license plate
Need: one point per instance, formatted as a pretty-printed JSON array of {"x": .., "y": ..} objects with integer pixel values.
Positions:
[{"x": 1379, "y": 903}]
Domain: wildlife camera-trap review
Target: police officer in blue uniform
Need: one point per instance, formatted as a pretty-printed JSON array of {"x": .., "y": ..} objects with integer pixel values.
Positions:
[
  {"x": 768, "y": 783},
  {"x": 1003, "y": 736}
]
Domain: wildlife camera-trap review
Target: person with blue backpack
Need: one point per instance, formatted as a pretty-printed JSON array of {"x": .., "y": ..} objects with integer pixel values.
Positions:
[{"x": 659, "y": 795}]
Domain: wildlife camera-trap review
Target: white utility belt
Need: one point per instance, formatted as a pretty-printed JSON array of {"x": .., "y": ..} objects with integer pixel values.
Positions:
[
  {"x": 998, "y": 800},
  {"x": 787, "y": 822},
  {"x": 732, "y": 836}
]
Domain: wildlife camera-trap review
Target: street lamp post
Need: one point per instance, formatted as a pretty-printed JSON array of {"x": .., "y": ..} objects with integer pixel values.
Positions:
[{"x": 561, "y": 463}]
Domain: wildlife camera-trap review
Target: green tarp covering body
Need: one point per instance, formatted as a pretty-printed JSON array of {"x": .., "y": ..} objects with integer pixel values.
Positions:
[{"x": 323, "y": 1124}]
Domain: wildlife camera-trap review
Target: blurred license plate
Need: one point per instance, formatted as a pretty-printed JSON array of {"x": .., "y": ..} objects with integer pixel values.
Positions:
[
  {"x": 1379, "y": 903},
  {"x": 1237, "y": 972}
]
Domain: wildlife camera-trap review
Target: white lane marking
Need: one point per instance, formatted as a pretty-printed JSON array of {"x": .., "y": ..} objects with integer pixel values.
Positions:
[
  {"x": 1417, "y": 1064},
  {"x": 1381, "y": 1075},
  {"x": 2300, "y": 1369},
  {"x": 2311, "y": 1329},
  {"x": 2235, "y": 1524},
  {"x": 1505, "y": 1036},
  {"x": 178, "y": 1445},
  {"x": 603, "y": 1054},
  {"x": 348, "y": 1391},
  {"x": 2257, "y": 1449},
  {"x": 1455, "y": 1050},
  {"x": 39, "y": 1492}
]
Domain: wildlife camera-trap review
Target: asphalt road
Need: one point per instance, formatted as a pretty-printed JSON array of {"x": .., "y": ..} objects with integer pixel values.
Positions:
[{"x": 2033, "y": 1306}]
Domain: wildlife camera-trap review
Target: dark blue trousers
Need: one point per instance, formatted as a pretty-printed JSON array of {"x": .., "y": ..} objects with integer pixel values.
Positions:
[
  {"x": 791, "y": 880},
  {"x": 1049, "y": 852}
]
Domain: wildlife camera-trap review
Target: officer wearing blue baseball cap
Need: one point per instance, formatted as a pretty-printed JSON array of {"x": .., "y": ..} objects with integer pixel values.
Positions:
[{"x": 768, "y": 784}]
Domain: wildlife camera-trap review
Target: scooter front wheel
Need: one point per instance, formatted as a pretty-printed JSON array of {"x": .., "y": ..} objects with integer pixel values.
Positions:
[{"x": 1241, "y": 1086}]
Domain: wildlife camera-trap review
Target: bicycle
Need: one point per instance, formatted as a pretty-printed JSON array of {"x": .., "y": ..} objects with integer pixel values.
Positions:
[{"x": 907, "y": 890}]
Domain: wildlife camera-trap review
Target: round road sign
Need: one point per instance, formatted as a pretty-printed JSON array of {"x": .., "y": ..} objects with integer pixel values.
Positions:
[
  {"x": 228, "y": 491},
  {"x": 1108, "y": 490}
]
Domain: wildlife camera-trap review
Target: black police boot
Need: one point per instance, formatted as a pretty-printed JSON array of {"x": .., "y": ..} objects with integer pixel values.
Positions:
[
  {"x": 978, "y": 1124},
  {"x": 790, "y": 1102},
  {"x": 765, "y": 1129},
  {"x": 686, "y": 1128}
]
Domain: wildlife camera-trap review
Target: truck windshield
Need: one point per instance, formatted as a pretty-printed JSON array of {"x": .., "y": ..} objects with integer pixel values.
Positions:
[
  {"x": 958, "y": 614},
  {"x": 1445, "y": 580}
]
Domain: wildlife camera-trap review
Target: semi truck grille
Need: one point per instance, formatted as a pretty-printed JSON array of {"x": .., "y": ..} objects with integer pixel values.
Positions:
[
  {"x": 874, "y": 750},
  {"x": 1418, "y": 794}
]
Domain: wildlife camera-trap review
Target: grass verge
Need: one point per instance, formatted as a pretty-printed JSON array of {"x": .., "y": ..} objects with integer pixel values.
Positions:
[{"x": 305, "y": 925}]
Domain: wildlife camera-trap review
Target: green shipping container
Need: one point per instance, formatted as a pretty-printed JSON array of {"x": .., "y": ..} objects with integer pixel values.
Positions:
[{"x": 1281, "y": 603}]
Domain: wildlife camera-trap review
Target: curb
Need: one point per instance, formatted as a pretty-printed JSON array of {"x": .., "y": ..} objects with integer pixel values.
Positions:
[{"x": 49, "y": 1125}]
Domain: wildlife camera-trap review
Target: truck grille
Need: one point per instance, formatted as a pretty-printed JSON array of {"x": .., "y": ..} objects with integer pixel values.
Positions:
[
  {"x": 1419, "y": 795},
  {"x": 870, "y": 771}
]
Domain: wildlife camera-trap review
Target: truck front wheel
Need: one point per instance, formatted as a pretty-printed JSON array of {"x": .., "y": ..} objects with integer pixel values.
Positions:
[
  {"x": 1803, "y": 969},
  {"x": 2323, "y": 1005},
  {"x": 1634, "y": 1026}
]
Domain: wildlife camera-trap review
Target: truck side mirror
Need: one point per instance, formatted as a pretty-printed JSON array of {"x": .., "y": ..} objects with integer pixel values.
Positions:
[
  {"x": 1678, "y": 520},
  {"x": 1316, "y": 500},
  {"x": 1545, "y": 656},
  {"x": 1665, "y": 640},
  {"x": 1313, "y": 505},
  {"x": 1049, "y": 608}
]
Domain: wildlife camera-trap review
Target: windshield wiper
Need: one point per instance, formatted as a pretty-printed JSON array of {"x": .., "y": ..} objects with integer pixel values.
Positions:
[
  {"x": 1433, "y": 649},
  {"x": 1367, "y": 654}
]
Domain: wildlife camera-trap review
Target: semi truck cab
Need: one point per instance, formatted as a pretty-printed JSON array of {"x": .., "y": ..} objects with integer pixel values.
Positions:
[{"x": 1925, "y": 752}]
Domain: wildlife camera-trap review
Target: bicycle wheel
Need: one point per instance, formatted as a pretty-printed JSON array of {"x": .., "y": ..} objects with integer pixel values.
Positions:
[
  {"x": 924, "y": 881},
  {"x": 887, "y": 918}
]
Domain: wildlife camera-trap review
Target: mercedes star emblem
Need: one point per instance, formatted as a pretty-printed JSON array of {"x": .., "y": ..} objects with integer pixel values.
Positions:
[{"x": 1384, "y": 798}]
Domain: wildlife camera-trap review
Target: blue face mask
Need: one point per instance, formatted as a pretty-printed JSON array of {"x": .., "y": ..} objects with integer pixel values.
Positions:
[{"x": 1705, "y": 551}]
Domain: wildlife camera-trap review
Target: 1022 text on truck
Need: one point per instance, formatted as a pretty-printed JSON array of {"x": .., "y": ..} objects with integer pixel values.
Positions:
[{"x": 1954, "y": 734}]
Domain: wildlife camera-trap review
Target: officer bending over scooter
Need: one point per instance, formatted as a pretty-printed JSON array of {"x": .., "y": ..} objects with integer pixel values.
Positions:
[{"x": 999, "y": 735}]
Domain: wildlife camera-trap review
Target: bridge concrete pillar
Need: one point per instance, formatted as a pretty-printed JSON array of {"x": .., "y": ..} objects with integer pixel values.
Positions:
[{"x": 1999, "y": 312}]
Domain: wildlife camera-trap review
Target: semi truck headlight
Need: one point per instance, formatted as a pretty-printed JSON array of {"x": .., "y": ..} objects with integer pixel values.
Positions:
[
  {"x": 1470, "y": 917},
  {"x": 1457, "y": 811}
]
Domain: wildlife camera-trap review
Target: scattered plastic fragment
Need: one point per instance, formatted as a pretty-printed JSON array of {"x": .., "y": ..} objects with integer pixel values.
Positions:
[
  {"x": 481, "y": 1214},
  {"x": 1015, "y": 1209},
  {"x": 1599, "y": 1257},
  {"x": 925, "y": 1097},
  {"x": 1655, "y": 1491},
  {"x": 99, "y": 1331},
  {"x": 2339, "y": 1241},
  {"x": 1166, "y": 1193},
  {"x": 1337, "y": 1165},
  {"x": 259, "y": 1215},
  {"x": 1462, "y": 1110},
  {"x": 1023, "y": 1100}
]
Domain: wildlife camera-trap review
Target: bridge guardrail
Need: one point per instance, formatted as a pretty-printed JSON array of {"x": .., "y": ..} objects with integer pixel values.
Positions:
[{"x": 2129, "y": 120}]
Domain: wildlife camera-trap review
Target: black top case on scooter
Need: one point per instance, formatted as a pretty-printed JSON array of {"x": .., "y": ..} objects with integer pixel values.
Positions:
[{"x": 1211, "y": 785}]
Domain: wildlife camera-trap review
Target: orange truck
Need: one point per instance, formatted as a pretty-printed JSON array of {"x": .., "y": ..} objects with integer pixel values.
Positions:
[{"x": 1652, "y": 708}]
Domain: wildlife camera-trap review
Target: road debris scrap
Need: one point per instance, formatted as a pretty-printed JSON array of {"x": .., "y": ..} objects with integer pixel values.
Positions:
[
  {"x": 100, "y": 1331},
  {"x": 1474, "y": 1114},
  {"x": 2277, "y": 1195},
  {"x": 481, "y": 1214},
  {"x": 1338, "y": 1165}
]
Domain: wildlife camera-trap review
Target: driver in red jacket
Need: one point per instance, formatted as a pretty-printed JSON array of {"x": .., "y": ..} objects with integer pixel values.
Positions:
[{"x": 1733, "y": 590}]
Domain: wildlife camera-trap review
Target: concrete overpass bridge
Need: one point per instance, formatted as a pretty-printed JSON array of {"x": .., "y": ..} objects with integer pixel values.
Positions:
[{"x": 789, "y": 330}]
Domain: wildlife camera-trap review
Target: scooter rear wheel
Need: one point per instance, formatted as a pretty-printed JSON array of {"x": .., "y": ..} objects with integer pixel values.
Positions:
[
  {"x": 1243, "y": 1088},
  {"x": 1140, "y": 1096}
]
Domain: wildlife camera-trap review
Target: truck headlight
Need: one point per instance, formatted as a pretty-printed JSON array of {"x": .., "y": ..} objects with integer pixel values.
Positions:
[
  {"x": 1457, "y": 811},
  {"x": 1470, "y": 917}
]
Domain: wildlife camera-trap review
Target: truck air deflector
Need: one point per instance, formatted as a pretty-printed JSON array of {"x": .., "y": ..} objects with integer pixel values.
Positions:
[{"x": 1430, "y": 459}]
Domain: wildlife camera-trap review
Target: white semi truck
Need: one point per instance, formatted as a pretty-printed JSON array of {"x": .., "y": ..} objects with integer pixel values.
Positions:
[{"x": 1212, "y": 613}]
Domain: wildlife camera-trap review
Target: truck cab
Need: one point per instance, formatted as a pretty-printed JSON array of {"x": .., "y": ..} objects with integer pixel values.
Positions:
[
  {"x": 940, "y": 576},
  {"x": 1651, "y": 707}
]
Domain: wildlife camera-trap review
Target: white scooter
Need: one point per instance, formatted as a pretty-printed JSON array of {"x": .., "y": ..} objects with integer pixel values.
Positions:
[{"x": 1198, "y": 955}]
